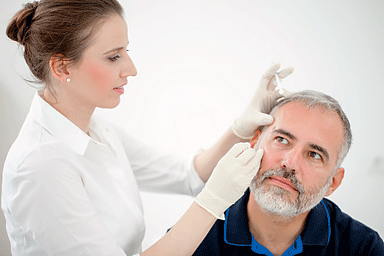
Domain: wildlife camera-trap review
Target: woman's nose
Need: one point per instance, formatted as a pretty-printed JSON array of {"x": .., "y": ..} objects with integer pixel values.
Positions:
[{"x": 129, "y": 68}]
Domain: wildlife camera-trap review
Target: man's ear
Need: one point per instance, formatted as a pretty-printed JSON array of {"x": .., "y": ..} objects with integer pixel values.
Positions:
[
  {"x": 336, "y": 181},
  {"x": 255, "y": 138},
  {"x": 59, "y": 67}
]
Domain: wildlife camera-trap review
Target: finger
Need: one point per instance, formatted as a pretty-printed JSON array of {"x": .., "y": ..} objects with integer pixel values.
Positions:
[
  {"x": 237, "y": 149},
  {"x": 263, "y": 119},
  {"x": 287, "y": 93},
  {"x": 281, "y": 74},
  {"x": 272, "y": 84},
  {"x": 268, "y": 75},
  {"x": 285, "y": 72},
  {"x": 254, "y": 164},
  {"x": 246, "y": 156},
  {"x": 278, "y": 95}
]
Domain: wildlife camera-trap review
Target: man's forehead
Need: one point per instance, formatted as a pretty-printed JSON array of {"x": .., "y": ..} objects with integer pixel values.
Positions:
[
  {"x": 316, "y": 124},
  {"x": 294, "y": 109}
]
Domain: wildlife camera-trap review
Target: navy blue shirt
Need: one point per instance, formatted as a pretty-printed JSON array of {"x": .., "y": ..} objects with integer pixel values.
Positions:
[{"x": 328, "y": 231}]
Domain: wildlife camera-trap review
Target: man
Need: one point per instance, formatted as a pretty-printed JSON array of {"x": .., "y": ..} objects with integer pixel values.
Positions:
[{"x": 284, "y": 212}]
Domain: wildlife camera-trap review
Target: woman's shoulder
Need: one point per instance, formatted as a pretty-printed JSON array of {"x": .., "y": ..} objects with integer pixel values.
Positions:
[{"x": 33, "y": 146}]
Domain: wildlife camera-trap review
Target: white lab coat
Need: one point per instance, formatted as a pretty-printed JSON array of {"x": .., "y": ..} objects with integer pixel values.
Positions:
[{"x": 65, "y": 193}]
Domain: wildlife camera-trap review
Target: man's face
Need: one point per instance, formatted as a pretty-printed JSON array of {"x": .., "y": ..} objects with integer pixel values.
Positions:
[{"x": 301, "y": 149}]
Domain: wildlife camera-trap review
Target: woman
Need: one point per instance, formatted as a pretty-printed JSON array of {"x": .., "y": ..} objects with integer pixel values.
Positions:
[{"x": 71, "y": 181}]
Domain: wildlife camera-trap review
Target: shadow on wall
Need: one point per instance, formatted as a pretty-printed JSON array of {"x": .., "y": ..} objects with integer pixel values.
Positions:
[{"x": 14, "y": 108}]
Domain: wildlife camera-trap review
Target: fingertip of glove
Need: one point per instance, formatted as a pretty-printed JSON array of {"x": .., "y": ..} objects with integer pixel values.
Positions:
[
  {"x": 291, "y": 69},
  {"x": 238, "y": 148},
  {"x": 248, "y": 153},
  {"x": 244, "y": 145},
  {"x": 265, "y": 119},
  {"x": 273, "y": 69},
  {"x": 286, "y": 72},
  {"x": 260, "y": 152}
]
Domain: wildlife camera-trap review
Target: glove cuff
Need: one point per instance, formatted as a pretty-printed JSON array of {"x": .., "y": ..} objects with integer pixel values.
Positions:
[{"x": 212, "y": 203}]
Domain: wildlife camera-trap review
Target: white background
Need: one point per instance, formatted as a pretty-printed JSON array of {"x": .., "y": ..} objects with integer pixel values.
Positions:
[{"x": 199, "y": 63}]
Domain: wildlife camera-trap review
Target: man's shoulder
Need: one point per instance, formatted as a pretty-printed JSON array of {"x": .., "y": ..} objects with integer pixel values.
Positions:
[
  {"x": 343, "y": 220},
  {"x": 350, "y": 233}
]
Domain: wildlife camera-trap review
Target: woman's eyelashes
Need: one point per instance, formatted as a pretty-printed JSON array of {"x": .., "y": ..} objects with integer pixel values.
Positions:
[{"x": 116, "y": 57}]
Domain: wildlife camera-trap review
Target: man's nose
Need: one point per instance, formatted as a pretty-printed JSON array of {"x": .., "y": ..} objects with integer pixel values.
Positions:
[{"x": 291, "y": 160}]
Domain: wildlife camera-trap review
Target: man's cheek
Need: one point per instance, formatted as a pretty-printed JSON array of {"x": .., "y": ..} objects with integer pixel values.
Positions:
[{"x": 260, "y": 171}]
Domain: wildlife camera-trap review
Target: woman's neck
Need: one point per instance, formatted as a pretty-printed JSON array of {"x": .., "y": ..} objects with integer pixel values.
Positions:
[{"x": 75, "y": 111}]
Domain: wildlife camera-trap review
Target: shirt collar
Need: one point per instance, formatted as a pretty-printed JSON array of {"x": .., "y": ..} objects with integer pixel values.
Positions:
[
  {"x": 317, "y": 230},
  {"x": 58, "y": 125},
  {"x": 236, "y": 230}
]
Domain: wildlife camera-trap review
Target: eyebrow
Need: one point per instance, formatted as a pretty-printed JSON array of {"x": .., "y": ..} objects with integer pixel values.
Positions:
[
  {"x": 114, "y": 50},
  {"x": 320, "y": 149},
  {"x": 314, "y": 146},
  {"x": 288, "y": 134}
]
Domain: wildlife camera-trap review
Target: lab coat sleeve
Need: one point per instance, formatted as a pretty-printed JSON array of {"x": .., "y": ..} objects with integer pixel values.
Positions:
[
  {"x": 50, "y": 205},
  {"x": 157, "y": 172}
]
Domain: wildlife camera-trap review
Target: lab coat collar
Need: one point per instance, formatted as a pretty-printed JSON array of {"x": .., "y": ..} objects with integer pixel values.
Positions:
[{"x": 58, "y": 125}]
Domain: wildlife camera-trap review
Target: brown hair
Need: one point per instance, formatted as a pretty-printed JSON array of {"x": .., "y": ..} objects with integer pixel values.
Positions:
[{"x": 58, "y": 27}]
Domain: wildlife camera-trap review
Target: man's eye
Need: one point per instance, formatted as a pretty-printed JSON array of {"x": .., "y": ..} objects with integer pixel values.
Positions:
[
  {"x": 282, "y": 140},
  {"x": 114, "y": 58},
  {"x": 315, "y": 155}
]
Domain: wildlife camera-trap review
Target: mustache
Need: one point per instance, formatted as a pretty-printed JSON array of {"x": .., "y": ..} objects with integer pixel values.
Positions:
[{"x": 286, "y": 175}]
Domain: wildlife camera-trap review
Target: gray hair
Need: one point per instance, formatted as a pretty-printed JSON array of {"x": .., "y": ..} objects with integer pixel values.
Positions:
[{"x": 318, "y": 99}]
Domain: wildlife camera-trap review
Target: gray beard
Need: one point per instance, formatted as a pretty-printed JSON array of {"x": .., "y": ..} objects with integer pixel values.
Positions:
[{"x": 277, "y": 200}]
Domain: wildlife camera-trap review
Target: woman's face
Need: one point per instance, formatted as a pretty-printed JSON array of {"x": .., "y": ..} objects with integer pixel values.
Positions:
[{"x": 98, "y": 80}]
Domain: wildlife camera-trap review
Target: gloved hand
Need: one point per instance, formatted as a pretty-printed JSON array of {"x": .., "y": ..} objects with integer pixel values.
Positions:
[
  {"x": 230, "y": 179},
  {"x": 264, "y": 99}
]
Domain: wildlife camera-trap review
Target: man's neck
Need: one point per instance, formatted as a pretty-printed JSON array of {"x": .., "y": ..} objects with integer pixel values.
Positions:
[{"x": 275, "y": 232}]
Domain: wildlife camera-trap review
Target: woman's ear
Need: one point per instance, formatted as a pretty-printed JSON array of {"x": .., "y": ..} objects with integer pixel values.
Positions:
[{"x": 59, "y": 67}]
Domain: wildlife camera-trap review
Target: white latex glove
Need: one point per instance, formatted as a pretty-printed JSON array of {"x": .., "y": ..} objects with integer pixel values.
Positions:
[
  {"x": 230, "y": 179},
  {"x": 264, "y": 99}
]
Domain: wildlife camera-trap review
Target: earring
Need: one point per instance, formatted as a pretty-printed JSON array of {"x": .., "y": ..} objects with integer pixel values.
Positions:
[{"x": 68, "y": 80}]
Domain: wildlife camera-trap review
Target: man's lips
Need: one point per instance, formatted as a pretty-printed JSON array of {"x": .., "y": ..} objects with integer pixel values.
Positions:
[{"x": 282, "y": 182}]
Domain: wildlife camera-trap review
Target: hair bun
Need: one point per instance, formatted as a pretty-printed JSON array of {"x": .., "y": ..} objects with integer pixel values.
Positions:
[{"x": 18, "y": 28}]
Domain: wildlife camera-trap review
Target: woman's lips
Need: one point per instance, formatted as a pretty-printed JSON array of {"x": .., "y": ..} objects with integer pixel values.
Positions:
[{"x": 119, "y": 90}]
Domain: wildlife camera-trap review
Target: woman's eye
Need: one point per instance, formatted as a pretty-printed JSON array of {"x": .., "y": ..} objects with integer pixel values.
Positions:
[
  {"x": 315, "y": 155},
  {"x": 282, "y": 140},
  {"x": 114, "y": 58}
]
